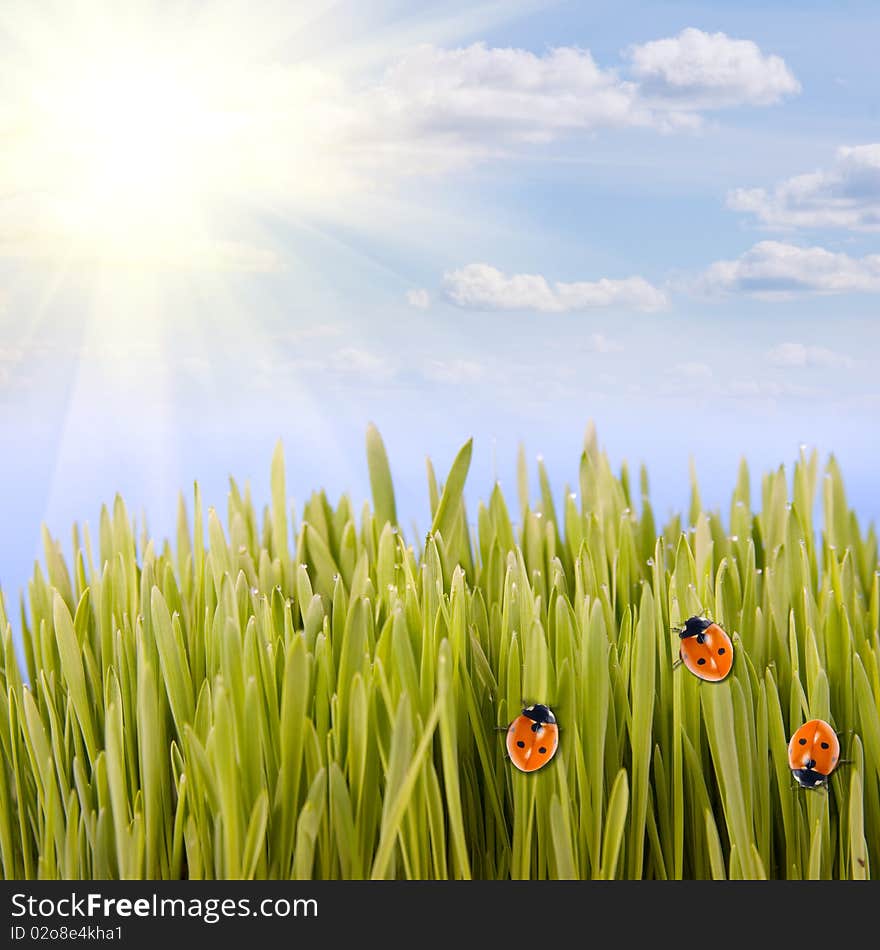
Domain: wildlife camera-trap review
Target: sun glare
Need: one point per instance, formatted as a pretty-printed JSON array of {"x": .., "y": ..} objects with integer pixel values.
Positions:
[
  {"x": 161, "y": 144},
  {"x": 136, "y": 133},
  {"x": 125, "y": 143}
]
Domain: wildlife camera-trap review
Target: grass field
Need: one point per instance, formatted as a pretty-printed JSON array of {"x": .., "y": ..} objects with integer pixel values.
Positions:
[{"x": 319, "y": 696}]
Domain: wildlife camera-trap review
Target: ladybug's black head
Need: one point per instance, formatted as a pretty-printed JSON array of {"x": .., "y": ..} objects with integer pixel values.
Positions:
[
  {"x": 809, "y": 778},
  {"x": 694, "y": 626},
  {"x": 539, "y": 713}
]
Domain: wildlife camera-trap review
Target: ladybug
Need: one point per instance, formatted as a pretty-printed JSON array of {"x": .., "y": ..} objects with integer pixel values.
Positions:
[
  {"x": 705, "y": 649},
  {"x": 813, "y": 753},
  {"x": 532, "y": 738}
]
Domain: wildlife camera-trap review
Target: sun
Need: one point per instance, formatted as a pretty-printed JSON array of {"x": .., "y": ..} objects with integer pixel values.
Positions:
[
  {"x": 158, "y": 142},
  {"x": 122, "y": 144},
  {"x": 126, "y": 141},
  {"x": 135, "y": 132}
]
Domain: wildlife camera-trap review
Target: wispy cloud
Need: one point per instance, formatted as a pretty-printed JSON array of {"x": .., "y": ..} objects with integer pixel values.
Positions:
[
  {"x": 12, "y": 362},
  {"x": 847, "y": 195},
  {"x": 420, "y": 299},
  {"x": 361, "y": 363},
  {"x": 686, "y": 379},
  {"x": 751, "y": 388},
  {"x": 309, "y": 333},
  {"x": 11, "y": 354},
  {"x": 454, "y": 371},
  {"x": 691, "y": 370},
  {"x": 808, "y": 356},
  {"x": 599, "y": 343},
  {"x": 772, "y": 269},
  {"x": 483, "y": 287}
]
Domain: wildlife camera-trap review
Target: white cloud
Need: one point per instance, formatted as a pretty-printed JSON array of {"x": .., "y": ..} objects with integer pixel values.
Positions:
[
  {"x": 773, "y": 269},
  {"x": 420, "y": 299},
  {"x": 454, "y": 372},
  {"x": 807, "y": 356},
  {"x": 845, "y": 196},
  {"x": 686, "y": 379},
  {"x": 494, "y": 94},
  {"x": 479, "y": 99},
  {"x": 710, "y": 71},
  {"x": 483, "y": 287},
  {"x": 765, "y": 389},
  {"x": 247, "y": 131},
  {"x": 351, "y": 361},
  {"x": 692, "y": 370},
  {"x": 309, "y": 333},
  {"x": 599, "y": 343},
  {"x": 11, "y": 354},
  {"x": 12, "y": 359}
]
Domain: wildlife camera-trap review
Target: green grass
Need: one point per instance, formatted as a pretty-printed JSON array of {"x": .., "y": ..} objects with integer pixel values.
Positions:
[{"x": 315, "y": 696}]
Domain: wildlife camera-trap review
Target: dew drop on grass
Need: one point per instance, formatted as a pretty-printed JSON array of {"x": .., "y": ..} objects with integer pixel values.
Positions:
[
  {"x": 734, "y": 537},
  {"x": 650, "y": 562}
]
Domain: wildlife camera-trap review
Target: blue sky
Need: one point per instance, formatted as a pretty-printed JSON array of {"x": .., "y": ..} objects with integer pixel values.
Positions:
[{"x": 228, "y": 225}]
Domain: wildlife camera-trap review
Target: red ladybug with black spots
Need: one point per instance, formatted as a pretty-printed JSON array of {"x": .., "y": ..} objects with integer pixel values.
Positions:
[
  {"x": 532, "y": 738},
  {"x": 813, "y": 753},
  {"x": 706, "y": 650}
]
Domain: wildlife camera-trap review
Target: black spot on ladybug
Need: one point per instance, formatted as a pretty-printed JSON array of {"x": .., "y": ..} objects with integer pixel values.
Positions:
[
  {"x": 825, "y": 745},
  {"x": 701, "y": 661},
  {"x": 721, "y": 651},
  {"x": 542, "y": 750},
  {"x": 536, "y": 726},
  {"x": 802, "y": 741},
  {"x": 521, "y": 744}
]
